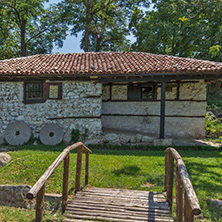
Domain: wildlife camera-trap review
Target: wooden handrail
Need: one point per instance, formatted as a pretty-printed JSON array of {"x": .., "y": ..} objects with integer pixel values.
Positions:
[
  {"x": 191, "y": 204},
  {"x": 38, "y": 189}
]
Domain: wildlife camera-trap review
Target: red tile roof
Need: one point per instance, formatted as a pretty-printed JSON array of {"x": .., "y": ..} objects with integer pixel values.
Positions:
[{"x": 105, "y": 64}]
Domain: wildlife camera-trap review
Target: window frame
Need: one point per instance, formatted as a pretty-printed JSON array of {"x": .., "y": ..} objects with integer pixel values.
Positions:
[
  {"x": 28, "y": 100},
  {"x": 140, "y": 86},
  {"x": 45, "y": 92}
]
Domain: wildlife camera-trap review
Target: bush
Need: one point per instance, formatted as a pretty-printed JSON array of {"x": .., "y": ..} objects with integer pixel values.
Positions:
[{"x": 213, "y": 126}]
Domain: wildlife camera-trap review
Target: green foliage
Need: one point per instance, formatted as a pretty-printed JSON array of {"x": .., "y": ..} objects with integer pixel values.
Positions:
[
  {"x": 29, "y": 28},
  {"x": 180, "y": 27},
  {"x": 103, "y": 23},
  {"x": 84, "y": 135},
  {"x": 77, "y": 136},
  {"x": 214, "y": 50},
  {"x": 213, "y": 125}
]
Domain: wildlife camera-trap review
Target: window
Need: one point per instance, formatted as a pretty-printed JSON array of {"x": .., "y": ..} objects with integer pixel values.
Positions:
[
  {"x": 39, "y": 92},
  {"x": 147, "y": 93},
  {"x": 53, "y": 90},
  {"x": 142, "y": 92},
  {"x": 33, "y": 92}
]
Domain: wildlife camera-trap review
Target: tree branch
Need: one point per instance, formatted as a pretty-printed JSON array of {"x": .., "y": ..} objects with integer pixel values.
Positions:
[
  {"x": 15, "y": 9},
  {"x": 34, "y": 36},
  {"x": 103, "y": 7}
]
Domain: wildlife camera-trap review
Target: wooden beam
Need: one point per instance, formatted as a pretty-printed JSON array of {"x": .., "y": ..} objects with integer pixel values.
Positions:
[
  {"x": 162, "y": 110},
  {"x": 65, "y": 183},
  {"x": 160, "y": 78},
  {"x": 179, "y": 197},
  {"x": 87, "y": 169},
  {"x": 40, "y": 204},
  {"x": 78, "y": 168}
]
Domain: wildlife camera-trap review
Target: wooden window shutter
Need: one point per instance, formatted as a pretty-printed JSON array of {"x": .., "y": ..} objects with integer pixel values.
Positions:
[
  {"x": 53, "y": 90},
  {"x": 134, "y": 92},
  {"x": 46, "y": 90}
]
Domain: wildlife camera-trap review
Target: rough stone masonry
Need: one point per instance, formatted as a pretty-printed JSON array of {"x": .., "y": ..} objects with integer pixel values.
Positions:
[{"x": 86, "y": 105}]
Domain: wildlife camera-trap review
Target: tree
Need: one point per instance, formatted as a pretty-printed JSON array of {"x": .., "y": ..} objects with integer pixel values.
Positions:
[
  {"x": 33, "y": 26},
  {"x": 103, "y": 22},
  {"x": 179, "y": 27}
]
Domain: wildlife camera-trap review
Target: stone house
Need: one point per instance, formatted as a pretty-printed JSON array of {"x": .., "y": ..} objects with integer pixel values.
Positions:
[{"x": 126, "y": 93}]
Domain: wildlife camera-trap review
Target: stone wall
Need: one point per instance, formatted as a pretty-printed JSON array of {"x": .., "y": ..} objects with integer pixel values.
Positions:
[
  {"x": 80, "y": 99},
  {"x": 185, "y": 118},
  {"x": 11, "y": 195}
]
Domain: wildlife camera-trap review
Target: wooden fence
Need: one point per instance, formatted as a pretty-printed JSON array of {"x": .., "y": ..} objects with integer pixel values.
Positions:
[
  {"x": 38, "y": 190},
  {"x": 187, "y": 204}
]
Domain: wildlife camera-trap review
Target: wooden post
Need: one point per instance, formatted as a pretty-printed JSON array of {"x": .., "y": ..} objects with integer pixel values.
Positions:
[
  {"x": 78, "y": 169},
  {"x": 40, "y": 204},
  {"x": 188, "y": 214},
  {"x": 166, "y": 169},
  {"x": 179, "y": 197},
  {"x": 65, "y": 183},
  {"x": 87, "y": 169},
  {"x": 170, "y": 180},
  {"x": 162, "y": 110}
]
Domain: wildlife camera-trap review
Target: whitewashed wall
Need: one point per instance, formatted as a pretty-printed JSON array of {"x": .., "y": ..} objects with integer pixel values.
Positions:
[
  {"x": 184, "y": 117},
  {"x": 77, "y": 101}
]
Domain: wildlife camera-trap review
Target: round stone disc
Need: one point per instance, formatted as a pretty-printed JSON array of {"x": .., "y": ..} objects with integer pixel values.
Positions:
[
  {"x": 17, "y": 133},
  {"x": 51, "y": 134}
]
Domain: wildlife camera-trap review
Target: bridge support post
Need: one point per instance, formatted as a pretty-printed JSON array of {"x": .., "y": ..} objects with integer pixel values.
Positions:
[
  {"x": 179, "y": 196},
  {"x": 78, "y": 169},
  {"x": 40, "y": 204},
  {"x": 65, "y": 183}
]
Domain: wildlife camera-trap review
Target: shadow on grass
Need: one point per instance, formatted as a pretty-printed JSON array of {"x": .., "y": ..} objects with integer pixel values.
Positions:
[
  {"x": 122, "y": 149},
  {"x": 156, "y": 179},
  {"x": 206, "y": 183},
  {"x": 127, "y": 170},
  {"x": 41, "y": 147}
]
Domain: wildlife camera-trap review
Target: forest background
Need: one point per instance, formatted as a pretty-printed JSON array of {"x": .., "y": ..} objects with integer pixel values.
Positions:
[{"x": 186, "y": 28}]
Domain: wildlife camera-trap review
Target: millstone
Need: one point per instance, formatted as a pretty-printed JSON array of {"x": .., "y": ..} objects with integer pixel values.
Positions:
[
  {"x": 17, "y": 133},
  {"x": 51, "y": 134}
]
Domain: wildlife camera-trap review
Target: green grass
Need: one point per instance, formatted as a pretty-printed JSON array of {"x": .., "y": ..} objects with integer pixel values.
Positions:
[
  {"x": 11, "y": 214},
  {"x": 131, "y": 169}
]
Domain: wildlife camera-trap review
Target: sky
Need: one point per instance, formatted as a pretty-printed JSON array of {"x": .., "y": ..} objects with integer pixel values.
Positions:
[{"x": 72, "y": 43}]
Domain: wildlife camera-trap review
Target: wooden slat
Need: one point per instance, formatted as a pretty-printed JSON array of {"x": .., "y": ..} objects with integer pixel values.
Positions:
[
  {"x": 122, "y": 212},
  {"x": 79, "y": 195},
  {"x": 125, "y": 194},
  {"x": 113, "y": 219},
  {"x": 118, "y": 205}
]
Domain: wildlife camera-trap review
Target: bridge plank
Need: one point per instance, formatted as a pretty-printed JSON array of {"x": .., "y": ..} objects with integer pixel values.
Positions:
[{"x": 96, "y": 204}]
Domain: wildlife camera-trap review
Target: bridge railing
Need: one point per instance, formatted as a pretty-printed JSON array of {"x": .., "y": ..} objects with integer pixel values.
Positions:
[
  {"x": 187, "y": 204},
  {"x": 38, "y": 190}
]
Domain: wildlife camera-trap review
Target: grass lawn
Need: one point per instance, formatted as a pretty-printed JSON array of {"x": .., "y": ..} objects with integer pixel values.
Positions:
[{"x": 142, "y": 170}]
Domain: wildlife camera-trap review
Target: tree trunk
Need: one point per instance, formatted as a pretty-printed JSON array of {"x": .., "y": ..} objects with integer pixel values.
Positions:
[
  {"x": 87, "y": 31},
  {"x": 23, "y": 44}
]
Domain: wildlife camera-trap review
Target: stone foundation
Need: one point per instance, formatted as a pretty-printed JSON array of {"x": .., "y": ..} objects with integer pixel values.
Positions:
[{"x": 136, "y": 139}]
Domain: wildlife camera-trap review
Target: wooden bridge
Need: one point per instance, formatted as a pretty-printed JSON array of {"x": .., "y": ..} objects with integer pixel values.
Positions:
[{"x": 120, "y": 205}]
